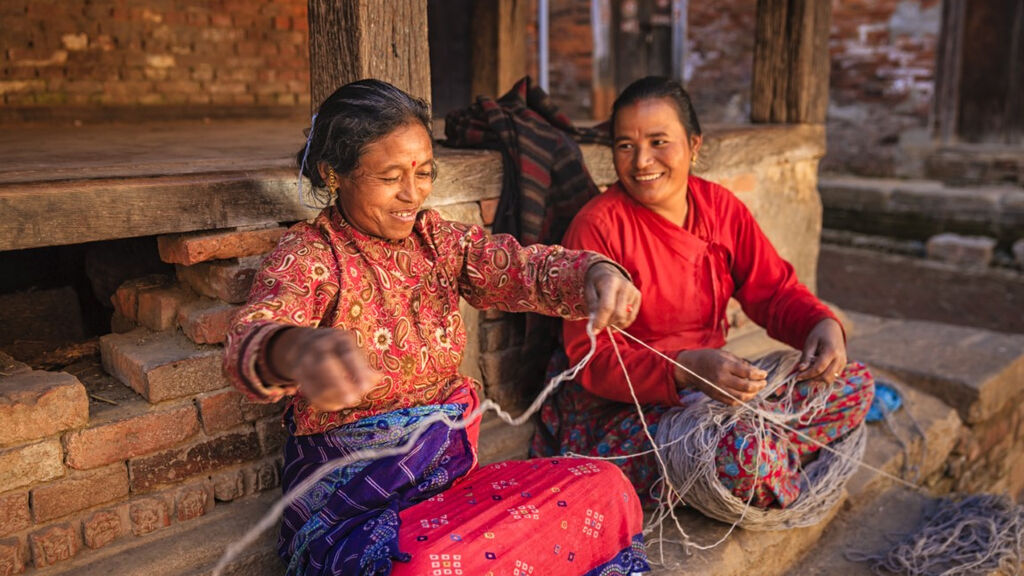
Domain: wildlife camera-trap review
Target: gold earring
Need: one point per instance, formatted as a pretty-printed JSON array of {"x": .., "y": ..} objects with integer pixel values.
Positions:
[
  {"x": 693, "y": 161},
  {"x": 332, "y": 180}
]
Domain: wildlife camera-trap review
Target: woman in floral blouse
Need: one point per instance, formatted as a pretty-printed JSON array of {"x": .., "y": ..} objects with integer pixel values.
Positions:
[{"x": 355, "y": 318}]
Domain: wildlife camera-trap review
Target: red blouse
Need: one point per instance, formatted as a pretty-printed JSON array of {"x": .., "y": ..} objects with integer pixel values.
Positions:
[
  {"x": 400, "y": 300},
  {"x": 686, "y": 276}
]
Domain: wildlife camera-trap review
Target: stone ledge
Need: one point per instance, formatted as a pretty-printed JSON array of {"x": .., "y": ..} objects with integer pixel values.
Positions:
[{"x": 976, "y": 371}]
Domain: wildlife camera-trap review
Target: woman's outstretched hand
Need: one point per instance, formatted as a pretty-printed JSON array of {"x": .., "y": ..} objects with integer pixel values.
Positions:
[
  {"x": 326, "y": 364},
  {"x": 824, "y": 354},
  {"x": 729, "y": 372},
  {"x": 612, "y": 300}
]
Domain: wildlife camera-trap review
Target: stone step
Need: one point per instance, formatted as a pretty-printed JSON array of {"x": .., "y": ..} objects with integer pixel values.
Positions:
[
  {"x": 187, "y": 549},
  {"x": 921, "y": 208},
  {"x": 898, "y": 286},
  {"x": 977, "y": 371},
  {"x": 927, "y": 450},
  {"x": 896, "y": 511}
]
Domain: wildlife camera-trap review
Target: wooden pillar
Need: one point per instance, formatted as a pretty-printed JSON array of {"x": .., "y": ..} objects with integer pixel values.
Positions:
[
  {"x": 791, "y": 61},
  {"x": 601, "y": 20},
  {"x": 354, "y": 39},
  {"x": 499, "y": 56}
]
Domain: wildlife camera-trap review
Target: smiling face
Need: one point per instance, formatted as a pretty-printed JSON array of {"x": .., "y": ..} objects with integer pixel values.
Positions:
[
  {"x": 382, "y": 196},
  {"x": 652, "y": 154}
]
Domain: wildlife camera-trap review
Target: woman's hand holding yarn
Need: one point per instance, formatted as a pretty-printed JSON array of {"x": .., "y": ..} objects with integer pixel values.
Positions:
[
  {"x": 741, "y": 379},
  {"x": 611, "y": 298},
  {"x": 326, "y": 364},
  {"x": 824, "y": 353}
]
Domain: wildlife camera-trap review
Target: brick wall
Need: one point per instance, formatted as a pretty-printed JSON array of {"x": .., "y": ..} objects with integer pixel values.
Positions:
[
  {"x": 121, "y": 54},
  {"x": 882, "y": 77}
]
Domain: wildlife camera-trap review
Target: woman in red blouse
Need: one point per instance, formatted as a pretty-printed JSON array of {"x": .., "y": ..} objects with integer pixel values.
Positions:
[
  {"x": 354, "y": 317},
  {"x": 689, "y": 245}
]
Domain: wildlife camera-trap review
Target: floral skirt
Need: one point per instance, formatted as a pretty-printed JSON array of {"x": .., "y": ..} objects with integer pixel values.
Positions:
[{"x": 574, "y": 421}]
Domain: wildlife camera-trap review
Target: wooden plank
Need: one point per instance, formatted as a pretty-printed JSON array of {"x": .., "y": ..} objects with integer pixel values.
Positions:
[
  {"x": 604, "y": 59},
  {"x": 791, "y": 61},
  {"x": 948, "y": 70},
  {"x": 354, "y": 39},
  {"x": 499, "y": 55},
  {"x": 74, "y": 211}
]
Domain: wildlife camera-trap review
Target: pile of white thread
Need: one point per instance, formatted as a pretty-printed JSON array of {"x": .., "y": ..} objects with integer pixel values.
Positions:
[{"x": 689, "y": 437}]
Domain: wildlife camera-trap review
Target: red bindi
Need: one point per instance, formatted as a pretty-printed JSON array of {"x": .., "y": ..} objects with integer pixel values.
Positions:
[{"x": 413, "y": 163}]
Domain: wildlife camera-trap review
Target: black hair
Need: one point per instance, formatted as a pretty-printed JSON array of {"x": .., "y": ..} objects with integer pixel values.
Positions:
[
  {"x": 350, "y": 119},
  {"x": 653, "y": 87}
]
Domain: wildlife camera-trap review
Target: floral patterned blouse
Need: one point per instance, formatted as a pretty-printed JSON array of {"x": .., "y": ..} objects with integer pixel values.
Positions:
[{"x": 400, "y": 300}]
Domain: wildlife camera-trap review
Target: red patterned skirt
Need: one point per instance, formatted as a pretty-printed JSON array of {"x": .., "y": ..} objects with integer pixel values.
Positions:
[{"x": 544, "y": 516}]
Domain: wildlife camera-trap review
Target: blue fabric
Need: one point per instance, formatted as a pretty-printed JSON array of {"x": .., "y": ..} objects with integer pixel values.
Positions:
[
  {"x": 887, "y": 398},
  {"x": 347, "y": 523},
  {"x": 630, "y": 560}
]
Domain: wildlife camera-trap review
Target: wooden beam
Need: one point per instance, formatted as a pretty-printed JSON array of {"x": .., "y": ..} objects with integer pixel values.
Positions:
[
  {"x": 948, "y": 68},
  {"x": 791, "y": 61},
  {"x": 354, "y": 39},
  {"x": 499, "y": 56},
  {"x": 601, "y": 21}
]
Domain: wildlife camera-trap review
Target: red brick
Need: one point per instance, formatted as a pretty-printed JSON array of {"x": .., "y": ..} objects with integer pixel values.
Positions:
[
  {"x": 149, "y": 514},
  {"x": 488, "y": 209},
  {"x": 227, "y": 280},
  {"x": 265, "y": 476},
  {"x": 162, "y": 365},
  {"x": 253, "y": 411},
  {"x": 500, "y": 371},
  {"x": 229, "y": 485},
  {"x": 126, "y": 298},
  {"x": 220, "y": 411},
  {"x": 119, "y": 324},
  {"x": 272, "y": 434},
  {"x": 131, "y": 437},
  {"x": 14, "y": 515},
  {"x": 191, "y": 249},
  {"x": 11, "y": 561},
  {"x": 26, "y": 465},
  {"x": 54, "y": 544},
  {"x": 158, "y": 307},
  {"x": 206, "y": 321},
  {"x": 173, "y": 466},
  {"x": 102, "y": 528},
  {"x": 192, "y": 502},
  {"x": 79, "y": 491},
  {"x": 37, "y": 404}
]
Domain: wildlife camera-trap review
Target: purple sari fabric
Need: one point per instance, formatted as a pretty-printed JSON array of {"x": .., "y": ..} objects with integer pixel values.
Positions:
[{"x": 347, "y": 523}]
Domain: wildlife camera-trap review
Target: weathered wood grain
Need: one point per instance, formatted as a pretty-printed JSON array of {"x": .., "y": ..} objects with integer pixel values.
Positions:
[
  {"x": 791, "y": 61},
  {"x": 354, "y": 39}
]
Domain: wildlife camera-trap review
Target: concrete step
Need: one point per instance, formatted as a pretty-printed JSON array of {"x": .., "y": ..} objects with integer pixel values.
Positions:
[
  {"x": 918, "y": 209},
  {"x": 868, "y": 529},
  {"x": 979, "y": 372},
  {"x": 927, "y": 450},
  {"x": 187, "y": 549},
  {"x": 899, "y": 286}
]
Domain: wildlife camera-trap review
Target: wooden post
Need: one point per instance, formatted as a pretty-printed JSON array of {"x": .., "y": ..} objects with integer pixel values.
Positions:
[
  {"x": 499, "y": 45},
  {"x": 604, "y": 59},
  {"x": 791, "y": 61},
  {"x": 354, "y": 39},
  {"x": 946, "y": 109}
]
